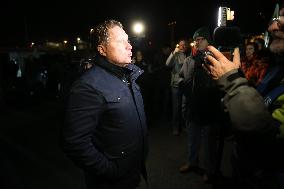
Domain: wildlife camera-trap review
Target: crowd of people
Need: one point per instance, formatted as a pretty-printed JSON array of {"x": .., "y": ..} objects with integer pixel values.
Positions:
[{"x": 119, "y": 94}]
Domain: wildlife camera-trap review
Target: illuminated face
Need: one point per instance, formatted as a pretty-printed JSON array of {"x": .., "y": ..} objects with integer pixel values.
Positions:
[
  {"x": 201, "y": 43},
  {"x": 181, "y": 46},
  {"x": 249, "y": 51},
  {"x": 139, "y": 56},
  {"x": 276, "y": 28},
  {"x": 118, "y": 49}
]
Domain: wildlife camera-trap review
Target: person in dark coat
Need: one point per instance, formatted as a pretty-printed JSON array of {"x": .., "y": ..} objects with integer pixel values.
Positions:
[
  {"x": 105, "y": 130},
  {"x": 256, "y": 114}
]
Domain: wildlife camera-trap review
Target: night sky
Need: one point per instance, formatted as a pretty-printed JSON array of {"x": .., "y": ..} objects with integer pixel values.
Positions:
[{"x": 60, "y": 20}]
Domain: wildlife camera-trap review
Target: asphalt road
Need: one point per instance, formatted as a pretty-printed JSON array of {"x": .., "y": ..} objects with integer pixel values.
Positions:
[{"x": 30, "y": 157}]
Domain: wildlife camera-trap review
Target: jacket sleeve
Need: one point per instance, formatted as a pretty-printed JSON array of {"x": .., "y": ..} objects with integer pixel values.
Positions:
[
  {"x": 246, "y": 107},
  {"x": 83, "y": 112},
  {"x": 170, "y": 60}
]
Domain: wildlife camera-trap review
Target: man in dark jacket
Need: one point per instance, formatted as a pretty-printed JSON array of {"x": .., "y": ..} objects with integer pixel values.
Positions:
[
  {"x": 201, "y": 107},
  {"x": 105, "y": 129}
]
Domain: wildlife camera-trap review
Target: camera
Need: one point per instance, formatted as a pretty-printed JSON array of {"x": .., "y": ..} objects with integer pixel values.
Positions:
[
  {"x": 225, "y": 36},
  {"x": 204, "y": 54}
]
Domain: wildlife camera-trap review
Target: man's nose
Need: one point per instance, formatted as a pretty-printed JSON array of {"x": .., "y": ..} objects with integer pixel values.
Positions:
[
  {"x": 274, "y": 26},
  {"x": 129, "y": 46}
]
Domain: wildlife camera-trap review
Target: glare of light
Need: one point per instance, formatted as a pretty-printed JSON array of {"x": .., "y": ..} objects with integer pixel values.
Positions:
[
  {"x": 138, "y": 28},
  {"x": 92, "y": 30},
  {"x": 219, "y": 16},
  {"x": 74, "y": 48},
  {"x": 32, "y": 44},
  {"x": 222, "y": 16},
  {"x": 78, "y": 39},
  {"x": 65, "y": 41},
  {"x": 230, "y": 14}
]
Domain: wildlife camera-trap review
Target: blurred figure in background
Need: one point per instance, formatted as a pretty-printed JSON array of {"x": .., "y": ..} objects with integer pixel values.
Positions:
[
  {"x": 162, "y": 79},
  {"x": 175, "y": 62},
  {"x": 253, "y": 66},
  {"x": 146, "y": 83}
]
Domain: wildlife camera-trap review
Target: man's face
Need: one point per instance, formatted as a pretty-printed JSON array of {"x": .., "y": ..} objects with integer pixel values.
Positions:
[
  {"x": 117, "y": 50},
  {"x": 276, "y": 28},
  {"x": 181, "y": 46},
  {"x": 201, "y": 43}
]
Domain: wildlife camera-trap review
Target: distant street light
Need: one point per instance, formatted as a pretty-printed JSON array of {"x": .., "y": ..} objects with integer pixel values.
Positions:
[
  {"x": 138, "y": 38},
  {"x": 138, "y": 28},
  {"x": 78, "y": 39}
]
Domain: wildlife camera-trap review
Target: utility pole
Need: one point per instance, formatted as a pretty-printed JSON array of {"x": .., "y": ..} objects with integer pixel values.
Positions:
[{"x": 172, "y": 32}]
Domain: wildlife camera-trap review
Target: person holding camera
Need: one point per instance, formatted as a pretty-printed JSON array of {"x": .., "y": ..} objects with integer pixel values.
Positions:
[
  {"x": 175, "y": 62},
  {"x": 257, "y": 115},
  {"x": 201, "y": 107}
]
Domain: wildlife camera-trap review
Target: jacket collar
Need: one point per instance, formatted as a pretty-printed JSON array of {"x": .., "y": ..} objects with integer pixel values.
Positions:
[{"x": 130, "y": 70}]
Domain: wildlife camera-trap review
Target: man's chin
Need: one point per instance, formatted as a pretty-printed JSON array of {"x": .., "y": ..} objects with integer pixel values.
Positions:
[{"x": 277, "y": 46}]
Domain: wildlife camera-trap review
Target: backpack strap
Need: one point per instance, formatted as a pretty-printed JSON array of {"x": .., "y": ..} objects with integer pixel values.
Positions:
[
  {"x": 263, "y": 86},
  {"x": 273, "y": 95}
]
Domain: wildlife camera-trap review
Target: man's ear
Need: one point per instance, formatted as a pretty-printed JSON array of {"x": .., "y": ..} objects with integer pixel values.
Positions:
[{"x": 102, "y": 50}]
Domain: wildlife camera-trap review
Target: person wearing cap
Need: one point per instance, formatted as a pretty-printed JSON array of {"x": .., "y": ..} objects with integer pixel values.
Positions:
[
  {"x": 257, "y": 115},
  {"x": 201, "y": 103}
]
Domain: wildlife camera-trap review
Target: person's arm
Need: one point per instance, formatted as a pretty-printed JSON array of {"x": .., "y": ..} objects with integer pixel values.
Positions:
[
  {"x": 245, "y": 105},
  {"x": 84, "y": 110},
  {"x": 170, "y": 59}
]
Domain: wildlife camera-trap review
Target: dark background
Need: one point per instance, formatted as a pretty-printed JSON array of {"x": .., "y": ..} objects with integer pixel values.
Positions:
[{"x": 51, "y": 20}]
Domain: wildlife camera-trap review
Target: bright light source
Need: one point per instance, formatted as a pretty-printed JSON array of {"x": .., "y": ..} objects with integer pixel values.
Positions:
[
  {"x": 78, "y": 39},
  {"x": 65, "y": 42},
  {"x": 92, "y": 30},
  {"x": 225, "y": 14},
  {"x": 138, "y": 28},
  {"x": 74, "y": 48},
  {"x": 222, "y": 16}
]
